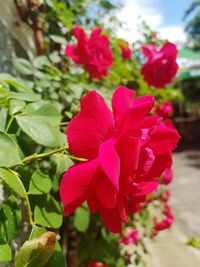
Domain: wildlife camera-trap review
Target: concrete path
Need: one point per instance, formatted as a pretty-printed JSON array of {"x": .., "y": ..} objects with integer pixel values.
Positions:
[{"x": 170, "y": 249}]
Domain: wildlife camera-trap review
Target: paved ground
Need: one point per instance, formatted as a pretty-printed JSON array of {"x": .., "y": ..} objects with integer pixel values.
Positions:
[{"x": 170, "y": 249}]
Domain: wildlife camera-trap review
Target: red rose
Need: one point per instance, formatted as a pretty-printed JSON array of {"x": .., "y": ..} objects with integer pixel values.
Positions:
[
  {"x": 132, "y": 238},
  {"x": 92, "y": 52},
  {"x": 126, "y": 51},
  {"x": 97, "y": 264},
  {"x": 161, "y": 66},
  {"x": 167, "y": 176},
  {"x": 165, "y": 109},
  {"x": 166, "y": 222},
  {"x": 127, "y": 151}
]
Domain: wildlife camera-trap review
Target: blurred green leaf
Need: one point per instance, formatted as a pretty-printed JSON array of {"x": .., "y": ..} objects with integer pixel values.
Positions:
[
  {"x": 3, "y": 117},
  {"x": 81, "y": 219},
  {"x": 23, "y": 66},
  {"x": 10, "y": 218},
  {"x": 5, "y": 252},
  {"x": 15, "y": 106},
  {"x": 30, "y": 97},
  {"x": 194, "y": 242},
  {"x": 9, "y": 154},
  {"x": 57, "y": 39}
]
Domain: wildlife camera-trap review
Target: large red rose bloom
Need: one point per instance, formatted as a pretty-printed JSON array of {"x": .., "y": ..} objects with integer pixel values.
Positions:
[{"x": 127, "y": 150}]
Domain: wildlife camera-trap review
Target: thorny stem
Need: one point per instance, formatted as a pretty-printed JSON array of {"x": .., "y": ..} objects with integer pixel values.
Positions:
[
  {"x": 43, "y": 155},
  {"x": 36, "y": 156}
]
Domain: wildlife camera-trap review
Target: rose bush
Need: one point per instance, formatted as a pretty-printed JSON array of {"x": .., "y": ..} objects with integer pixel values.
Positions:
[{"x": 113, "y": 160}]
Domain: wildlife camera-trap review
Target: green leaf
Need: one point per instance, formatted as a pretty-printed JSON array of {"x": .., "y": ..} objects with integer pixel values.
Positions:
[
  {"x": 15, "y": 106},
  {"x": 40, "y": 183},
  {"x": 46, "y": 112},
  {"x": 194, "y": 242},
  {"x": 57, "y": 39},
  {"x": 36, "y": 232},
  {"x": 9, "y": 153},
  {"x": 36, "y": 252},
  {"x": 54, "y": 57},
  {"x": 23, "y": 66},
  {"x": 10, "y": 218},
  {"x": 40, "y": 131},
  {"x": 48, "y": 212},
  {"x": 11, "y": 180},
  {"x": 57, "y": 258},
  {"x": 5, "y": 253},
  {"x": 17, "y": 83},
  {"x": 3, "y": 117},
  {"x": 30, "y": 97},
  {"x": 63, "y": 163},
  {"x": 40, "y": 61},
  {"x": 81, "y": 219},
  {"x": 146, "y": 219}
]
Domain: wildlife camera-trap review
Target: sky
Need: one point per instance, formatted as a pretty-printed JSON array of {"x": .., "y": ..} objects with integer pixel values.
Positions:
[{"x": 164, "y": 16}]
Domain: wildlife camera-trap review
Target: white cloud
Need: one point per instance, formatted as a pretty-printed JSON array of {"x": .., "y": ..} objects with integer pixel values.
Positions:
[
  {"x": 174, "y": 34},
  {"x": 134, "y": 11}
]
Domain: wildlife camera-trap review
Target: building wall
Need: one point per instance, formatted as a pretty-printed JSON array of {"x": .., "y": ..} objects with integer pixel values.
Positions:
[{"x": 16, "y": 38}]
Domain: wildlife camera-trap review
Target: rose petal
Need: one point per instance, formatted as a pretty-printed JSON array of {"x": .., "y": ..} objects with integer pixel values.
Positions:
[
  {"x": 164, "y": 139},
  {"x": 77, "y": 184},
  {"x": 110, "y": 162},
  {"x": 121, "y": 101},
  {"x": 90, "y": 127},
  {"x": 112, "y": 220}
]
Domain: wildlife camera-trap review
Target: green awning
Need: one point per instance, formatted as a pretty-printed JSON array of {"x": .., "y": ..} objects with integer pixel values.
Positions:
[{"x": 189, "y": 64}]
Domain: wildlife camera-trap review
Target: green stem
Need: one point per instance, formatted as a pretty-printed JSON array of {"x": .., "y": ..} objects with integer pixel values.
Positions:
[
  {"x": 64, "y": 123},
  {"x": 75, "y": 158},
  {"x": 9, "y": 123},
  {"x": 43, "y": 155},
  {"x": 36, "y": 156},
  {"x": 29, "y": 210}
]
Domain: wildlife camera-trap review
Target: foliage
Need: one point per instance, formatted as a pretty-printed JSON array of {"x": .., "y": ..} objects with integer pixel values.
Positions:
[
  {"x": 35, "y": 107},
  {"x": 193, "y": 25}
]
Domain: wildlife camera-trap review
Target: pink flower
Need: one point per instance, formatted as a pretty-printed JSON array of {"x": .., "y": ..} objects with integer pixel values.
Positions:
[
  {"x": 92, "y": 52},
  {"x": 127, "y": 151},
  {"x": 165, "y": 109},
  {"x": 161, "y": 66},
  {"x": 126, "y": 51},
  {"x": 97, "y": 264},
  {"x": 166, "y": 222},
  {"x": 132, "y": 238},
  {"x": 166, "y": 176},
  {"x": 165, "y": 196}
]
